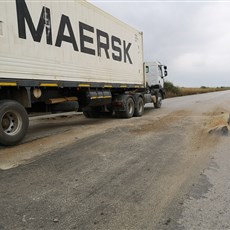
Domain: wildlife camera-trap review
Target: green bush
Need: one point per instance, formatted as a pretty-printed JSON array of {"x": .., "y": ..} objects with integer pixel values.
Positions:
[{"x": 171, "y": 90}]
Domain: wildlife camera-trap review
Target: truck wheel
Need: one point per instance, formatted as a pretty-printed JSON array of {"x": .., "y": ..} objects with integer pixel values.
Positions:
[
  {"x": 14, "y": 122},
  {"x": 158, "y": 104},
  {"x": 139, "y": 110},
  {"x": 129, "y": 111}
]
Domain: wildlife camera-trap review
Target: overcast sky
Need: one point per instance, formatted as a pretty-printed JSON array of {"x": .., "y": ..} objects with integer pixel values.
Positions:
[{"x": 191, "y": 37}]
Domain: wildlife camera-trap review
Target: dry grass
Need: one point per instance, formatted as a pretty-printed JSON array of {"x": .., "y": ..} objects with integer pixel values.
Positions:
[{"x": 183, "y": 91}]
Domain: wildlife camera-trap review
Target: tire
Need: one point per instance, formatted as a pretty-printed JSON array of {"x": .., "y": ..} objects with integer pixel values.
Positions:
[
  {"x": 129, "y": 110},
  {"x": 158, "y": 104},
  {"x": 14, "y": 122},
  {"x": 139, "y": 110}
]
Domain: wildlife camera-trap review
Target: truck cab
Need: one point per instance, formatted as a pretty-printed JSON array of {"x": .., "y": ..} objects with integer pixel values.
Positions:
[{"x": 155, "y": 73}]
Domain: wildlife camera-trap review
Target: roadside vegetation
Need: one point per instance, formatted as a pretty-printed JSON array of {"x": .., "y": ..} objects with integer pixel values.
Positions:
[{"x": 175, "y": 91}]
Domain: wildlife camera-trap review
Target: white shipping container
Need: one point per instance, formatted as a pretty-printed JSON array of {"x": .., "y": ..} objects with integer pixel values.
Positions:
[{"x": 67, "y": 41}]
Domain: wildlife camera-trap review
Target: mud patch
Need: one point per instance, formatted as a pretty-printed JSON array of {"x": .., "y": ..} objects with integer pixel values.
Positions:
[
  {"x": 218, "y": 123},
  {"x": 220, "y": 131},
  {"x": 217, "y": 112},
  {"x": 161, "y": 123}
]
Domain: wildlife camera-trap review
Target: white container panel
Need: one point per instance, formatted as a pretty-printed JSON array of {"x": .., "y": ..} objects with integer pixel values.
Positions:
[{"x": 26, "y": 59}]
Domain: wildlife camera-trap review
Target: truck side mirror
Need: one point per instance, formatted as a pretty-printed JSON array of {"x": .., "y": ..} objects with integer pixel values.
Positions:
[{"x": 165, "y": 71}]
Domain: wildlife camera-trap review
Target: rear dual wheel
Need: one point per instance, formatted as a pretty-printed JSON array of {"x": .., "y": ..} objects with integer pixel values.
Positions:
[
  {"x": 14, "y": 122},
  {"x": 129, "y": 110},
  {"x": 139, "y": 110},
  {"x": 132, "y": 110}
]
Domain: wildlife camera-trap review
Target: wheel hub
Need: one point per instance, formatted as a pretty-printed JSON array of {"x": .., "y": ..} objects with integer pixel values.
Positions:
[
  {"x": 5, "y": 123},
  {"x": 10, "y": 123}
]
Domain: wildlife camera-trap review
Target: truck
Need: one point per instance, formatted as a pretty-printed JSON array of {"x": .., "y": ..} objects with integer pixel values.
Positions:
[{"x": 60, "y": 56}]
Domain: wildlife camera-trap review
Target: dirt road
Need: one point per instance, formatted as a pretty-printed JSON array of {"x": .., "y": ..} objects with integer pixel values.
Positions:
[{"x": 165, "y": 170}]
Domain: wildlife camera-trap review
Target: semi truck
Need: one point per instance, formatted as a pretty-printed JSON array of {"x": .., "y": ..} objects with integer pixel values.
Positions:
[{"x": 59, "y": 56}]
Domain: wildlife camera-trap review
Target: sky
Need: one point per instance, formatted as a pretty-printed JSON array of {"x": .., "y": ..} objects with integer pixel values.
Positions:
[{"x": 191, "y": 37}]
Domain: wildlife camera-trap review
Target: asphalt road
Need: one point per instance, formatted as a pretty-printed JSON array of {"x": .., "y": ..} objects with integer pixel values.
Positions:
[{"x": 166, "y": 170}]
